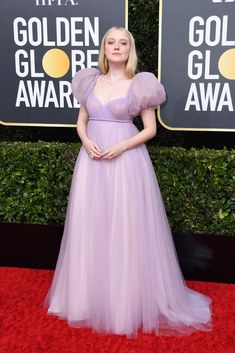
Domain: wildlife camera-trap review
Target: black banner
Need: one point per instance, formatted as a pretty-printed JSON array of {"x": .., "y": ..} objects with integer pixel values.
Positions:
[
  {"x": 43, "y": 44},
  {"x": 197, "y": 64}
]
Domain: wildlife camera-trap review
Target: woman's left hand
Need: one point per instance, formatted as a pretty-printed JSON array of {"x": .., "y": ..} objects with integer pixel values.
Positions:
[{"x": 114, "y": 151}]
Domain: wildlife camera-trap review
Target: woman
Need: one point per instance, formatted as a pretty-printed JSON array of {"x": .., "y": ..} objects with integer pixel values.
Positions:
[{"x": 117, "y": 270}]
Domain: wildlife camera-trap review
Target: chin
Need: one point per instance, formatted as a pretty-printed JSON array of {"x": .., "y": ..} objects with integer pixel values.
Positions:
[{"x": 116, "y": 59}]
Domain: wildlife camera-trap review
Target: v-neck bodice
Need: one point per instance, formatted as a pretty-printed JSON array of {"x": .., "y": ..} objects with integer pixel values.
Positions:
[
  {"x": 107, "y": 112},
  {"x": 144, "y": 91},
  {"x": 112, "y": 99},
  {"x": 116, "y": 109}
]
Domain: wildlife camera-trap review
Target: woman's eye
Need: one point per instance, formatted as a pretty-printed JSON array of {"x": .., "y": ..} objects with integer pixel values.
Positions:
[{"x": 110, "y": 43}]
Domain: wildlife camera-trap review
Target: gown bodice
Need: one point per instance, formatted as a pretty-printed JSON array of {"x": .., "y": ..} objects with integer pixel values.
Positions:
[{"x": 145, "y": 91}]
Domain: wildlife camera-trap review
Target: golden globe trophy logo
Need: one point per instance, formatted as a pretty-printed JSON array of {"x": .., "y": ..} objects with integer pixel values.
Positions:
[
  {"x": 200, "y": 80},
  {"x": 44, "y": 43}
]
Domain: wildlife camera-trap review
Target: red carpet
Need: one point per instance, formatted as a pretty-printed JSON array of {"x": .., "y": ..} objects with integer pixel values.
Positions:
[{"x": 26, "y": 328}]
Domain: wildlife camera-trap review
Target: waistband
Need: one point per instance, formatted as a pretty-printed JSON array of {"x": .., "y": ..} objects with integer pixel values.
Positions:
[{"x": 112, "y": 120}]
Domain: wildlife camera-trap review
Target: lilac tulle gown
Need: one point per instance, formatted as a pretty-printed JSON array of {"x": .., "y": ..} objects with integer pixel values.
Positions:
[{"x": 117, "y": 269}]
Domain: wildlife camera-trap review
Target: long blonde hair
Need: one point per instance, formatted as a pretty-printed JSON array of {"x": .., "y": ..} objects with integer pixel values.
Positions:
[{"x": 131, "y": 63}]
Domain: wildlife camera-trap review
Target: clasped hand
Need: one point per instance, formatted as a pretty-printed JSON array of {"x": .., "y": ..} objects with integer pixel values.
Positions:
[{"x": 95, "y": 152}]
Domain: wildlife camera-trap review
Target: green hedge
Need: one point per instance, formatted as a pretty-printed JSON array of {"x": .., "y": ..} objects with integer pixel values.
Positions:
[{"x": 198, "y": 186}]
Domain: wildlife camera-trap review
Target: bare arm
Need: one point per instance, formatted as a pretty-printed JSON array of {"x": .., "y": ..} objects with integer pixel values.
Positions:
[
  {"x": 82, "y": 124},
  {"x": 91, "y": 147},
  {"x": 149, "y": 131}
]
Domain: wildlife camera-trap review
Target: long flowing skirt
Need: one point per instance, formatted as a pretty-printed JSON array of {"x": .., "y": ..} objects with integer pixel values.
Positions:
[{"x": 117, "y": 269}]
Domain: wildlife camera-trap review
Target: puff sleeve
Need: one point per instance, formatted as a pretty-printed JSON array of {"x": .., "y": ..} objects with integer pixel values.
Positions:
[
  {"x": 82, "y": 83},
  {"x": 145, "y": 92}
]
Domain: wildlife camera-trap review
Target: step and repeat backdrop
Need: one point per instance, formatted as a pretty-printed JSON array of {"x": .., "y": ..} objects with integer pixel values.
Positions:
[
  {"x": 197, "y": 64},
  {"x": 43, "y": 44}
]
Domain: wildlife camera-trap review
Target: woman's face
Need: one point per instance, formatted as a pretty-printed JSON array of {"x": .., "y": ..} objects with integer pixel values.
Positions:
[{"x": 117, "y": 46}]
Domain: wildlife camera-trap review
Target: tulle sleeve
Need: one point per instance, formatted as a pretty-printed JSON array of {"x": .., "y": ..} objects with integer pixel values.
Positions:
[
  {"x": 82, "y": 83},
  {"x": 145, "y": 92}
]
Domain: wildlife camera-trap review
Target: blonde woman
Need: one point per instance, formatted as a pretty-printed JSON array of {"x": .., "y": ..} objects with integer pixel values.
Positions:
[{"x": 117, "y": 270}]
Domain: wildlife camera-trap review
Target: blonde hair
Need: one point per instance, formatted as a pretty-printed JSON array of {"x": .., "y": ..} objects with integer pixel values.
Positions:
[{"x": 131, "y": 63}]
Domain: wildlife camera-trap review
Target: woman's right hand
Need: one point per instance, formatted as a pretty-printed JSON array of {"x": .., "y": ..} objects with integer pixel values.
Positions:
[{"x": 92, "y": 149}]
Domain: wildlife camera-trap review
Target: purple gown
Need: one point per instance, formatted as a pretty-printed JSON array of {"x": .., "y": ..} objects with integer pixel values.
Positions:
[{"x": 117, "y": 269}]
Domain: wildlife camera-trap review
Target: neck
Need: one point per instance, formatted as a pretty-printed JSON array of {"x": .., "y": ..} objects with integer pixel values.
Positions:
[{"x": 116, "y": 70}]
